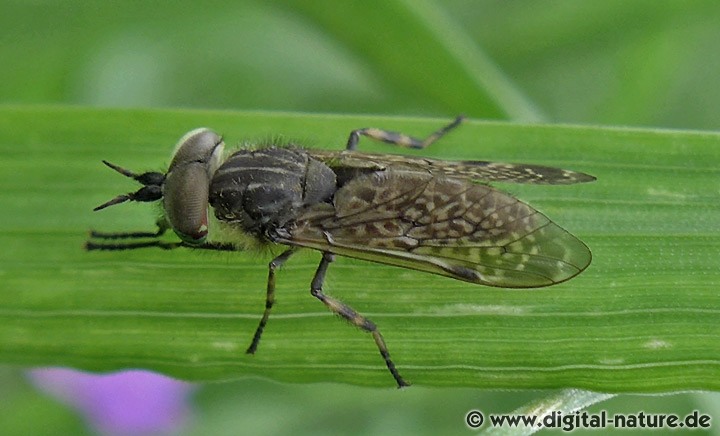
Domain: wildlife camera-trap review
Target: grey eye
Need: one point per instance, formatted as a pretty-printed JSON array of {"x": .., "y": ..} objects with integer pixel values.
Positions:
[{"x": 185, "y": 191}]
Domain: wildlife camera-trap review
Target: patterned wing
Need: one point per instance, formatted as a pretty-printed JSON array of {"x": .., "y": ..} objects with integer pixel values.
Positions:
[
  {"x": 442, "y": 225},
  {"x": 475, "y": 170}
]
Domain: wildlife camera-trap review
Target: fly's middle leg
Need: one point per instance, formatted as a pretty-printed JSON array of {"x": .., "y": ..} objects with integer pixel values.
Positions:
[{"x": 269, "y": 298}]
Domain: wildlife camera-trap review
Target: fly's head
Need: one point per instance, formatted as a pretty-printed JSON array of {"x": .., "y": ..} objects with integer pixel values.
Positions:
[{"x": 184, "y": 188}]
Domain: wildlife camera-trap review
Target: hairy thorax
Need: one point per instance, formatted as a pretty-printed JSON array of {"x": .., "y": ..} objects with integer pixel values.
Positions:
[{"x": 263, "y": 190}]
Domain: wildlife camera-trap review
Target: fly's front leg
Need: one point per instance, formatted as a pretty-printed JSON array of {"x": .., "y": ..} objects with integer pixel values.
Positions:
[
  {"x": 161, "y": 229},
  {"x": 399, "y": 139},
  {"x": 101, "y": 246},
  {"x": 120, "y": 246},
  {"x": 347, "y": 312},
  {"x": 269, "y": 298}
]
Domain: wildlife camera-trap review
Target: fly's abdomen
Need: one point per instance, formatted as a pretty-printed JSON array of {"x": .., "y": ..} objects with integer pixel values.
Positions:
[{"x": 262, "y": 190}]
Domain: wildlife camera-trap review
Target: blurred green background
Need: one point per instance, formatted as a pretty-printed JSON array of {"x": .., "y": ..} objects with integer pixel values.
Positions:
[{"x": 641, "y": 63}]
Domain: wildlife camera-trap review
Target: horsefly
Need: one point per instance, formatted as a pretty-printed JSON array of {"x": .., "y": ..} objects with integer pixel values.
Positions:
[{"x": 418, "y": 213}]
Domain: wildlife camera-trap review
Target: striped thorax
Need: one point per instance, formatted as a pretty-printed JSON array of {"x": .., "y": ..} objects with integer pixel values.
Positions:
[{"x": 264, "y": 190}]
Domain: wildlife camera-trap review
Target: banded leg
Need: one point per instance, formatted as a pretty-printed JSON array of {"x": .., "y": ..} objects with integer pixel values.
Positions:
[
  {"x": 211, "y": 246},
  {"x": 347, "y": 312},
  {"x": 269, "y": 298},
  {"x": 101, "y": 246},
  {"x": 162, "y": 228},
  {"x": 400, "y": 139}
]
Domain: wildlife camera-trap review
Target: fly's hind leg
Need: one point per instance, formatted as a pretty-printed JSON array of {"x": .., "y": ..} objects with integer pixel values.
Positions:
[
  {"x": 400, "y": 139},
  {"x": 348, "y": 313}
]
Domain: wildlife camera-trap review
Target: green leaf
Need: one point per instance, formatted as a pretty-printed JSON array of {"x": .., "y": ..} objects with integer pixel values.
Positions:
[{"x": 642, "y": 318}]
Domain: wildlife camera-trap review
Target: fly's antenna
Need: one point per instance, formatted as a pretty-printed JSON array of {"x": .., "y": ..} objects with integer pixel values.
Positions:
[{"x": 151, "y": 191}]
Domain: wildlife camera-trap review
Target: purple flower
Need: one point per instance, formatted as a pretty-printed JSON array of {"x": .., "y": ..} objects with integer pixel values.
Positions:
[{"x": 123, "y": 403}]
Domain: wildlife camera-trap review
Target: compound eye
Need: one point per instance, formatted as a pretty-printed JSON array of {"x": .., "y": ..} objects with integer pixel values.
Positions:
[
  {"x": 199, "y": 145},
  {"x": 185, "y": 200},
  {"x": 187, "y": 184}
]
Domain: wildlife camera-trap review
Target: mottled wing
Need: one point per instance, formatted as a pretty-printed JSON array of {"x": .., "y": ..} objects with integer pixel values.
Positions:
[
  {"x": 475, "y": 170},
  {"x": 442, "y": 225}
]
